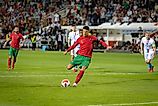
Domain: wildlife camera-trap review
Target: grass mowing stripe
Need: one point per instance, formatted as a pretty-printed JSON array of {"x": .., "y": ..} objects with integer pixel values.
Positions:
[
  {"x": 126, "y": 104},
  {"x": 59, "y": 74},
  {"x": 91, "y": 73}
]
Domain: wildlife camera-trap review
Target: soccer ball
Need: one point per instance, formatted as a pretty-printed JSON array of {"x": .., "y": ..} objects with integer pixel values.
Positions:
[{"x": 65, "y": 83}]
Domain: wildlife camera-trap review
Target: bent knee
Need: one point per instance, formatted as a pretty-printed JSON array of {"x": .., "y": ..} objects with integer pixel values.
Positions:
[
  {"x": 69, "y": 67},
  {"x": 148, "y": 61}
]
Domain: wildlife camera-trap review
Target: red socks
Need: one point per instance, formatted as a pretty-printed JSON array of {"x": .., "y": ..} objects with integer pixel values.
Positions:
[
  {"x": 9, "y": 62},
  {"x": 14, "y": 60},
  {"x": 79, "y": 76}
]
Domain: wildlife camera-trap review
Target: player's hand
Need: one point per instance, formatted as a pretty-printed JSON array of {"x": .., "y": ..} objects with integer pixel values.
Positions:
[
  {"x": 65, "y": 52},
  {"x": 141, "y": 52},
  {"x": 4, "y": 46},
  {"x": 20, "y": 45}
]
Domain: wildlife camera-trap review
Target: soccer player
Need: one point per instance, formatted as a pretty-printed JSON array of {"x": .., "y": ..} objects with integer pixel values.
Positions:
[
  {"x": 148, "y": 49},
  {"x": 15, "y": 38},
  {"x": 84, "y": 54},
  {"x": 72, "y": 37}
]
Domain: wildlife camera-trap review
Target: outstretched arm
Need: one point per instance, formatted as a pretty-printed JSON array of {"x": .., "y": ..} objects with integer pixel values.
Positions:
[
  {"x": 154, "y": 33},
  {"x": 154, "y": 47},
  {"x": 6, "y": 42},
  {"x": 141, "y": 47},
  {"x": 23, "y": 40},
  {"x": 71, "y": 47},
  {"x": 100, "y": 41},
  {"x": 103, "y": 43}
]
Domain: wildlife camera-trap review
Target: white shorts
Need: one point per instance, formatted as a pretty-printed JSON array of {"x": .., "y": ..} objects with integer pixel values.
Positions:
[
  {"x": 148, "y": 56},
  {"x": 74, "y": 51}
]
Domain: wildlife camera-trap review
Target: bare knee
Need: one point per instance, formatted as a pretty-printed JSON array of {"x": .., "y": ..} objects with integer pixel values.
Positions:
[
  {"x": 10, "y": 57},
  {"x": 69, "y": 66},
  {"x": 83, "y": 68},
  {"x": 148, "y": 61}
]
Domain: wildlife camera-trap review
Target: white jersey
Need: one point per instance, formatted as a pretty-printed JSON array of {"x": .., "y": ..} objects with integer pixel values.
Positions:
[
  {"x": 73, "y": 36},
  {"x": 148, "y": 44},
  {"x": 148, "y": 48}
]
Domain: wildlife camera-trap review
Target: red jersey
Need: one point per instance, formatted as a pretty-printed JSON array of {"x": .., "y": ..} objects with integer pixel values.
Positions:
[
  {"x": 15, "y": 39},
  {"x": 86, "y": 45}
]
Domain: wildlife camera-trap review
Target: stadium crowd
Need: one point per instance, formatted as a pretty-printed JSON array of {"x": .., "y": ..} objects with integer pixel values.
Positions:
[
  {"x": 35, "y": 15},
  {"x": 95, "y": 12}
]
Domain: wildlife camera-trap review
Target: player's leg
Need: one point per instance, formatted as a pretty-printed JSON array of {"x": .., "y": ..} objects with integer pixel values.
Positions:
[
  {"x": 15, "y": 54},
  {"x": 150, "y": 57},
  {"x": 149, "y": 65},
  {"x": 76, "y": 61},
  {"x": 70, "y": 66},
  {"x": 79, "y": 76},
  {"x": 10, "y": 54},
  {"x": 84, "y": 65},
  {"x": 72, "y": 57},
  {"x": 72, "y": 54},
  {"x": 147, "y": 61},
  {"x": 75, "y": 55}
]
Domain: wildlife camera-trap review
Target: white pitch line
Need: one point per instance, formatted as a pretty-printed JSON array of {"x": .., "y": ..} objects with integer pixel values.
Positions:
[
  {"x": 60, "y": 75},
  {"x": 90, "y": 73},
  {"x": 12, "y": 76},
  {"x": 126, "y": 104},
  {"x": 20, "y": 72}
]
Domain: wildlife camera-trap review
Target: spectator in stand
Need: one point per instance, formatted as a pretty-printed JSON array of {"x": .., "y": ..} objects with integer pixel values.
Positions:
[{"x": 59, "y": 39}]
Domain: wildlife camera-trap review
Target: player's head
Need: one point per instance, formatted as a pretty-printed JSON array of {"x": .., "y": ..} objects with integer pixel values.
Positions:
[
  {"x": 16, "y": 29},
  {"x": 73, "y": 28},
  {"x": 147, "y": 34},
  {"x": 85, "y": 31}
]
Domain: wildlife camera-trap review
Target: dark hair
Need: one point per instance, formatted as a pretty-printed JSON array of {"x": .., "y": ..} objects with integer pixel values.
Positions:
[
  {"x": 86, "y": 27},
  {"x": 16, "y": 26}
]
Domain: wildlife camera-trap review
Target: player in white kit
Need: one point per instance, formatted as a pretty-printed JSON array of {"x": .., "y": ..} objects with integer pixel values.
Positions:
[
  {"x": 148, "y": 49},
  {"x": 72, "y": 37}
]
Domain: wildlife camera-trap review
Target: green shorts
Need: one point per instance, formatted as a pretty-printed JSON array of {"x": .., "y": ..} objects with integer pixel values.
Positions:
[
  {"x": 81, "y": 61},
  {"x": 13, "y": 52}
]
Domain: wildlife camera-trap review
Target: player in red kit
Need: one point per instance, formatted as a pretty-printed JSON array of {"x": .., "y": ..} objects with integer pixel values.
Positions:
[
  {"x": 84, "y": 54},
  {"x": 15, "y": 38}
]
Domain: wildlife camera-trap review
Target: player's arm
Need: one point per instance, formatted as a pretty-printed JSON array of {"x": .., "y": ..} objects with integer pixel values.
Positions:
[
  {"x": 141, "y": 47},
  {"x": 103, "y": 43},
  {"x": 100, "y": 41},
  {"x": 72, "y": 47},
  {"x": 8, "y": 40},
  {"x": 154, "y": 33},
  {"x": 154, "y": 47},
  {"x": 23, "y": 40},
  {"x": 69, "y": 40}
]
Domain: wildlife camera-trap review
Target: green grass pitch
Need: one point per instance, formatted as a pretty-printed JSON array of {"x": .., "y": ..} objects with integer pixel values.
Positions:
[{"x": 112, "y": 79}]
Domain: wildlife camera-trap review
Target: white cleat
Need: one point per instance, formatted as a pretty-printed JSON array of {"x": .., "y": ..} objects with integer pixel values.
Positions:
[{"x": 74, "y": 85}]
